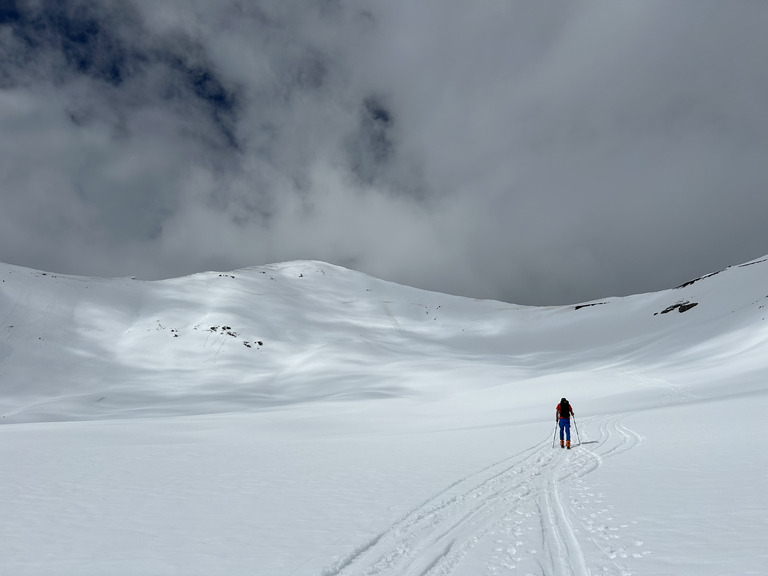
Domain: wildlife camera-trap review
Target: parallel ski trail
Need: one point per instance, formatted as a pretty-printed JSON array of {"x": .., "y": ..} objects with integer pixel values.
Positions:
[
  {"x": 511, "y": 516},
  {"x": 432, "y": 523}
]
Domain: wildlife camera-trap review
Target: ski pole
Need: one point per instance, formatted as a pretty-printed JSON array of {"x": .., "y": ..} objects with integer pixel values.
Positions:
[
  {"x": 577, "y": 430},
  {"x": 555, "y": 435}
]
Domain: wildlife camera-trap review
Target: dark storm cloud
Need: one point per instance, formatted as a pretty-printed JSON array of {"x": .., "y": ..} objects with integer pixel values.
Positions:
[
  {"x": 533, "y": 152},
  {"x": 108, "y": 46}
]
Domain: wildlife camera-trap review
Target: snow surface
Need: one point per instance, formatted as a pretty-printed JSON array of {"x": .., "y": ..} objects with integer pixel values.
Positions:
[{"x": 302, "y": 419}]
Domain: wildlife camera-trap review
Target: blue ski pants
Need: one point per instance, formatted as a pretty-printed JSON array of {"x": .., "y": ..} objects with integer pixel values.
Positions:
[{"x": 565, "y": 425}]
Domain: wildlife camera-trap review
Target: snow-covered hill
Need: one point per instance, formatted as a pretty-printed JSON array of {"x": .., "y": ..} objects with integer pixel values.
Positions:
[
  {"x": 306, "y": 419},
  {"x": 84, "y": 348}
]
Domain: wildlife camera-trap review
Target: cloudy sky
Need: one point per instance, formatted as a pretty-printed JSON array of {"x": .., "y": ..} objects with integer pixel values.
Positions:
[{"x": 532, "y": 152}]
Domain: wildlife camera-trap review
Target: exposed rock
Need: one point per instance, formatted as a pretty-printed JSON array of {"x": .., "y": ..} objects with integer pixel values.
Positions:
[
  {"x": 580, "y": 306},
  {"x": 680, "y": 307}
]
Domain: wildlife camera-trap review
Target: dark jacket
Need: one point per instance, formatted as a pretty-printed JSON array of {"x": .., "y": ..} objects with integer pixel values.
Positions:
[{"x": 568, "y": 411}]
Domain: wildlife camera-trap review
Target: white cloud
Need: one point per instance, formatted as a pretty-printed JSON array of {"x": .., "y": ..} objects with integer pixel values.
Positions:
[{"x": 529, "y": 152}]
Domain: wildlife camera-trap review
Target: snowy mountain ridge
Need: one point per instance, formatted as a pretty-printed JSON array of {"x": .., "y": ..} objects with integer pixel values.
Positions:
[{"x": 82, "y": 348}]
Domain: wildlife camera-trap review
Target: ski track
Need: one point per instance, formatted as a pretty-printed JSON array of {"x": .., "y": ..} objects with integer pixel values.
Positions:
[
  {"x": 531, "y": 513},
  {"x": 672, "y": 392}
]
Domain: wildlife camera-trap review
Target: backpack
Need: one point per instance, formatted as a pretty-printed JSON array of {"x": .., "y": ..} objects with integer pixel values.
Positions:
[{"x": 565, "y": 409}]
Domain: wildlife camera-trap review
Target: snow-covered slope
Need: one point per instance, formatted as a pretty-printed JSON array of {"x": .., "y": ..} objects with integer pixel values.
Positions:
[
  {"x": 83, "y": 348},
  {"x": 306, "y": 419}
]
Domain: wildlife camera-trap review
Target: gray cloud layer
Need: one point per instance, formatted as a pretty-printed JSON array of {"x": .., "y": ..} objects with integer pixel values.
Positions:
[{"x": 538, "y": 153}]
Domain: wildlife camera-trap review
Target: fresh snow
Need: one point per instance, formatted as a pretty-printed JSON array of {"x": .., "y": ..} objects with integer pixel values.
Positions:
[{"x": 302, "y": 419}]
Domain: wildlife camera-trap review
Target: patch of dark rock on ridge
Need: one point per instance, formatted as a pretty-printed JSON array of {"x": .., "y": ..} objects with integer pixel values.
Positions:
[
  {"x": 580, "y": 306},
  {"x": 718, "y": 272},
  {"x": 680, "y": 307},
  {"x": 753, "y": 263},
  {"x": 697, "y": 279}
]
